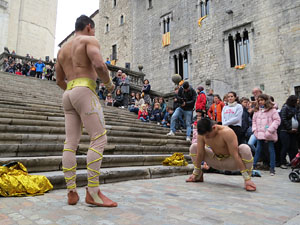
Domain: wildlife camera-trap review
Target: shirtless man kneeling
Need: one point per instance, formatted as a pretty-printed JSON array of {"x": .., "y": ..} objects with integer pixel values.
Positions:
[
  {"x": 223, "y": 152},
  {"x": 79, "y": 64}
]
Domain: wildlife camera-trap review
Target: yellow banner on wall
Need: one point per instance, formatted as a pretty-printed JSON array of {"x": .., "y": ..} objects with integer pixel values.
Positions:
[{"x": 166, "y": 39}]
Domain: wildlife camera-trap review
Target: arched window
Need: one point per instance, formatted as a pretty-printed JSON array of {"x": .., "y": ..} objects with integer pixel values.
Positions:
[
  {"x": 121, "y": 20},
  {"x": 114, "y": 3},
  {"x": 150, "y": 3},
  {"x": 107, "y": 28}
]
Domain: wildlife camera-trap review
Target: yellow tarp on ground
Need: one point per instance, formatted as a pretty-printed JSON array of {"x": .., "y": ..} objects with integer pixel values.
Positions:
[
  {"x": 15, "y": 181},
  {"x": 177, "y": 159}
]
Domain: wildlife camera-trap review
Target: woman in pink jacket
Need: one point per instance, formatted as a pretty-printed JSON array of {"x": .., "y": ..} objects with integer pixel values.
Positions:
[{"x": 264, "y": 126}]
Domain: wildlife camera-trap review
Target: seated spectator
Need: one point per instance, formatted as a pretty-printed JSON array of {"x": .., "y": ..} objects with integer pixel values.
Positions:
[
  {"x": 156, "y": 114},
  {"x": 109, "y": 100},
  {"x": 118, "y": 99},
  {"x": 25, "y": 69},
  {"x": 132, "y": 100},
  {"x": 138, "y": 103},
  {"x": 163, "y": 106},
  {"x": 117, "y": 79},
  {"x": 167, "y": 119},
  {"x": 5, "y": 65},
  {"x": 18, "y": 72},
  {"x": 149, "y": 108},
  {"x": 32, "y": 71},
  {"x": 143, "y": 114},
  {"x": 102, "y": 92},
  {"x": 107, "y": 61}
]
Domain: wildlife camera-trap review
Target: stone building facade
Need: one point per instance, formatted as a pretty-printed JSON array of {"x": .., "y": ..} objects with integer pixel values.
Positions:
[
  {"x": 232, "y": 45},
  {"x": 28, "y": 26}
]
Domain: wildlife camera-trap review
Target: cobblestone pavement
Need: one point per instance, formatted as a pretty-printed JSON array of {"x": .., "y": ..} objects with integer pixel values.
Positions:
[{"x": 220, "y": 199}]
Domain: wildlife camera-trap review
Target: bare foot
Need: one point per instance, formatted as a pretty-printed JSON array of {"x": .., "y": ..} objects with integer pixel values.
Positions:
[
  {"x": 99, "y": 199},
  {"x": 194, "y": 178},
  {"x": 250, "y": 186},
  {"x": 205, "y": 166},
  {"x": 73, "y": 198}
]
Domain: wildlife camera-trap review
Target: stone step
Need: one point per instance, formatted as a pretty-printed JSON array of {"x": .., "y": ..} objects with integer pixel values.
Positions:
[
  {"x": 54, "y": 163},
  {"x": 29, "y": 150},
  {"x": 111, "y": 131},
  {"x": 28, "y": 122},
  {"x": 112, "y": 175},
  {"x": 11, "y": 138}
]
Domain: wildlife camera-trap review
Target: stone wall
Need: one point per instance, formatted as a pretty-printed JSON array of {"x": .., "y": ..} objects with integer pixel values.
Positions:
[
  {"x": 118, "y": 34},
  {"x": 274, "y": 35},
  {"x": 30, "y": 27}
]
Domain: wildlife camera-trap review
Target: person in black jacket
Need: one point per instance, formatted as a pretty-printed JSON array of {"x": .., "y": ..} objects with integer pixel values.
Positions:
[
  {"x": 290, "y": 126},
  {"x": 186, "y": 98}
]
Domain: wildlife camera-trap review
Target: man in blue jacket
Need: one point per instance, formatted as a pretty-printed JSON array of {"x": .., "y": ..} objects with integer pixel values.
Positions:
[
  {"x": 39, "y": 68},
  {"x": 186, "y": 98}
]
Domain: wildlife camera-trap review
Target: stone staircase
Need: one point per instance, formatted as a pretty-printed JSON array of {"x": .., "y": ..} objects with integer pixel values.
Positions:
[{"x": 32, "y": 132}]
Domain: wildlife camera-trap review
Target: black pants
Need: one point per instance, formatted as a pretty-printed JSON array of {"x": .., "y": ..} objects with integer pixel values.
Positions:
[{"x": 238, "y": 131}]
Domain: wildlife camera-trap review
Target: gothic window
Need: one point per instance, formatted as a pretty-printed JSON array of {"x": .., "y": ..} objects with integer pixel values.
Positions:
[
  {"x": 166, "y": 24},
  {"x": 114, "y": 3},
  {"x": 204, "y": 7},
  {"x": 114, "y": 52},
  {"x": 107, "y": 28},
  {"x": 181, "y": 63},
  {"x": 121, "y": 20},
  {"x": 239, "y": 48},
  {"x": 149, "y": 4}
]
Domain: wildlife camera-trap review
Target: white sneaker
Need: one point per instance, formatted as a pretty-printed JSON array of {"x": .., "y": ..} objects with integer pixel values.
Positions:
[
  {"x": 188, "y": 139},
  {"x": 170, "y": 133},
  {"x": 158, "y": 123}
]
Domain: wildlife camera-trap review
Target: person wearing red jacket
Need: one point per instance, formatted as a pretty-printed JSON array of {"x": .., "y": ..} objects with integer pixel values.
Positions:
[
  {"x": 143, "y": 114},
  {"x": 201, "y": 99}
]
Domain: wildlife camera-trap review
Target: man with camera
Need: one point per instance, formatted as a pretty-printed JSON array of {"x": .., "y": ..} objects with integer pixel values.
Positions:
[{"x": 186, "y": 98}]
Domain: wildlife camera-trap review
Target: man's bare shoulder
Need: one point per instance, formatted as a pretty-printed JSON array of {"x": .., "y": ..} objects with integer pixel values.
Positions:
[{"x": 226, "y": 132}]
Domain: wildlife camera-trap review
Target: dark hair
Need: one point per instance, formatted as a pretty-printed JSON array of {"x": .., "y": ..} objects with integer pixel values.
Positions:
[
  {"x": 185, "y": 85},
  {"x": 244, "y": 99},
  {"x": 292, "y": 101},
  {"x": 268, "y": 104},
  {"x": 234, "y": 95},
  {"x": 146, "y": 80},
  {"x": 272, "y": 99},
  {"x": 82, "y": 21},
  {"x": 204, "y": 125},
  {"x": 218, "y": 96}
]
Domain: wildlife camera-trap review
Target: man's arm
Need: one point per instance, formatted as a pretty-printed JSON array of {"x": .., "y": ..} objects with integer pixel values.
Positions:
[
  {"x": 200, "y": 152},
  {"x": 93, "y": 52},
  {"x": 231, "y": 141},
  {"x": 60, "y": 75}
]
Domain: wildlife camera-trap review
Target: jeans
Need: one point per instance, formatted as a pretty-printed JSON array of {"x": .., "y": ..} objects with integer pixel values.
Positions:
[
  {"x": 144, "y": 120},
  {"x": 188, "y": 119},
  {"x": 288, "y": 145},
  {"x": 252, "y": 141},
  {"x": 271, "y": 152}
]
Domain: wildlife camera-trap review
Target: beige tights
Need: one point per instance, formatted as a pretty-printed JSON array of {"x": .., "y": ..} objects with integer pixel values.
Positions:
[{"x": 82, "y": 106}]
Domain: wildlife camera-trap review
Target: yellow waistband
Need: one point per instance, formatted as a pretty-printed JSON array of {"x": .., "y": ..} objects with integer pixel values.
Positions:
[
  {"x": 221, "y": 157},
  {"x": 82, "y": 82}
]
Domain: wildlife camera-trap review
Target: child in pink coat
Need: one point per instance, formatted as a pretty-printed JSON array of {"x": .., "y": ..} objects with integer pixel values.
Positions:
[{"x": 264, "y": 126}]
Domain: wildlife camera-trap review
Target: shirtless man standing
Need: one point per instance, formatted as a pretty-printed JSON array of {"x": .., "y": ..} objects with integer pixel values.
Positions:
[
  {"x": 218, "y": 146},
  {"x": 79, "y": 64}
]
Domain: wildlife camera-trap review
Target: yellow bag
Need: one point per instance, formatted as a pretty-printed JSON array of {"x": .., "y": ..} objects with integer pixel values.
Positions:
[{"x": 15, "y": 181}]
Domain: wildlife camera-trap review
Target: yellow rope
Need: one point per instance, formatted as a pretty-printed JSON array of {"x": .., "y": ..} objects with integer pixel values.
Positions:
[
  {"x": 68, "y": 150},
  {"x": 72, "y": 169},
  {"x": 248, "y": 161},
  {"x": 92, "y": 183},
  {"x": 95, "y": 138}
]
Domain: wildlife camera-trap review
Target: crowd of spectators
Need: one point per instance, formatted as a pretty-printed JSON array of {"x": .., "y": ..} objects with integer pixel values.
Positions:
[
  {"x": 271, "y": 133},
  {"x": 27, "y": 67}
]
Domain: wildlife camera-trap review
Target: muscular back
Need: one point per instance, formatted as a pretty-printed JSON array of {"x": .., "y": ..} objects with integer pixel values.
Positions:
[{"x": 74, "y": 59}]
